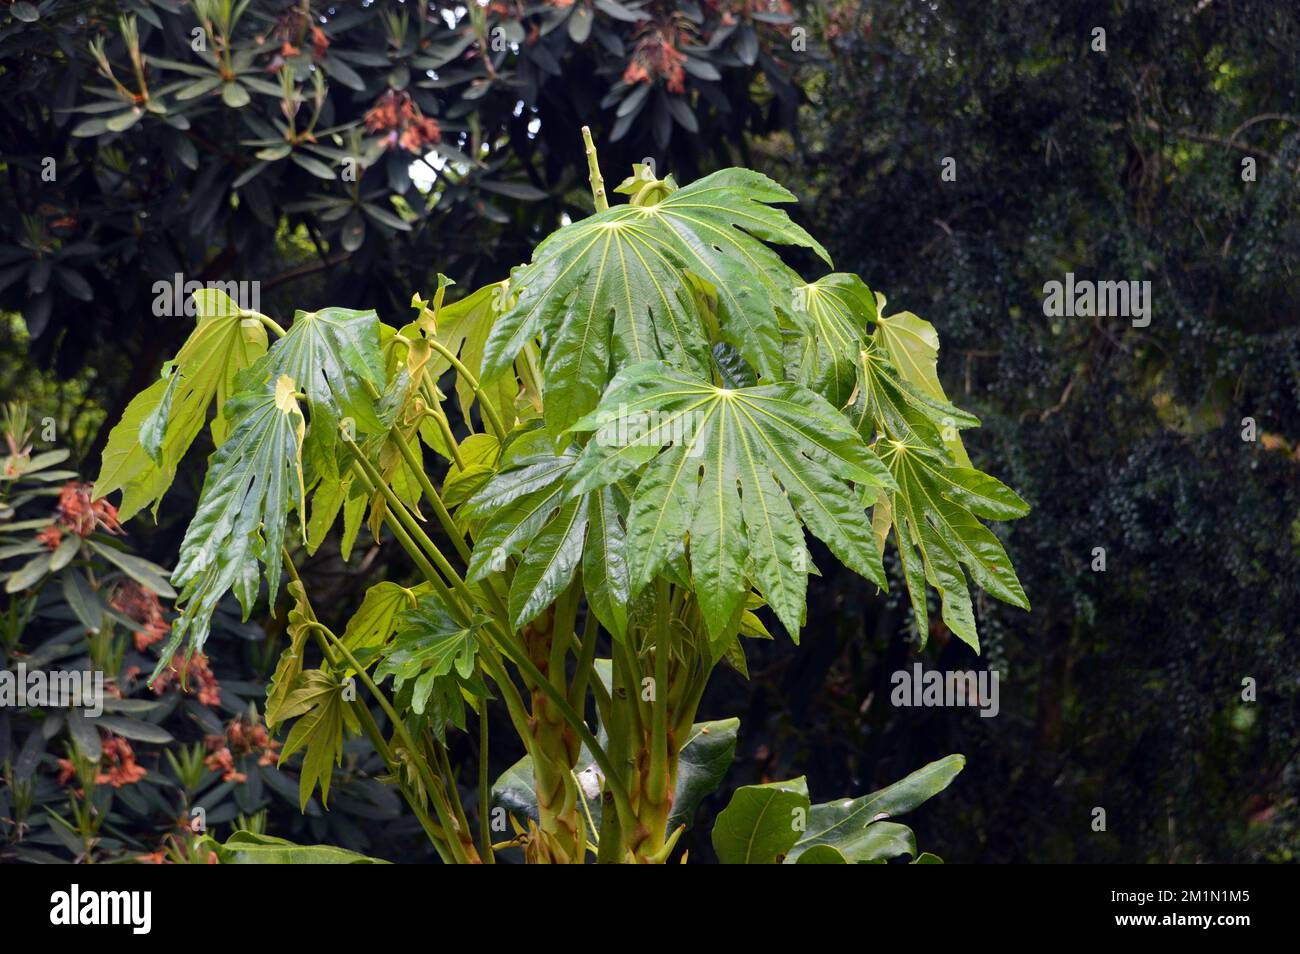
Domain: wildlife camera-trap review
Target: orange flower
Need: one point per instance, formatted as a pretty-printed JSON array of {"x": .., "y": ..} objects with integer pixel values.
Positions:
[
  {"x": 319, "y": 41},
  {"x": 399, "y": 119},
  {"x": 117, "y": 765},
  {"x": 140, "y": 604},
  {"x": 82, "y": 515},
  {"x": 656, "y": 57},
  {"x": 121, "y": 765},
  {"x": 222, "y": 761},
  {"x": 242, "y": 737},
  {"x": 194, "y": 675},
  {"x": 51, "y": 536}
]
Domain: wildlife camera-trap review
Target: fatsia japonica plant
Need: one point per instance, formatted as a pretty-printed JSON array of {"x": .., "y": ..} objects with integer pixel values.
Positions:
[{"x": 653, "y": 413}]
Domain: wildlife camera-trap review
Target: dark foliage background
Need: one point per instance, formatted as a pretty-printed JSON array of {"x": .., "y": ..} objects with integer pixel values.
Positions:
[{"x": 1123, "y": 689}]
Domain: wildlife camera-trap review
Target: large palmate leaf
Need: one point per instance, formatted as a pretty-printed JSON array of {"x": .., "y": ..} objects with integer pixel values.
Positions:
[
  {"x": 912, "y": 346},
  {"x": 839, "y": 307},
  {"x": 253, "y": 482},
  {"x": 316, "y": 701},
  {"x": 434, "y": 652},
  {"x": 742, "y": 470},
  {"x": 933, "y": 513},
  {"x": 524, "y": 513},
  {"x": 334, "y": 354},
  {"x": 161, "y": 422},
  {"x": 935, "y": 510},
  {"x": 611, "y": 290},
  {"x": 858, "y": 830},
  {"x": 376, "y": 619}
]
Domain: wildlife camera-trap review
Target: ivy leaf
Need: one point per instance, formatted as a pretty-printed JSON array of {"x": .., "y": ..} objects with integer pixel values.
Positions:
[
  {"x": 253, "y": 481},
  {"x": 743, "y": 469},
  {"x": 160, "y": 424},
  {"x": 760, "y": 823},
  {"x": 857, "y": 827},
  {"x": 612, "y": 289}
]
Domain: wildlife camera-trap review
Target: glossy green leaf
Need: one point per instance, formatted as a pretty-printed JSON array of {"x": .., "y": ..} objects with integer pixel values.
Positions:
[
  {"x": 377, "y": 618},
  {"x": 251, "y": 848},
  {"x": 317, "y": 702},
  {"x": 611, "y": 289},
  {"x": 161, "y": 422},
  {"x": 335, "y": 356},
  {"x": 761, "y": 823},
  {"x": 854, "y": 826},
  {"x": 839, "y": 308},
  {"x": 253, "y": 482},
  {"x": 935, "y": 511},
  {"x": 743, "y": 469}
]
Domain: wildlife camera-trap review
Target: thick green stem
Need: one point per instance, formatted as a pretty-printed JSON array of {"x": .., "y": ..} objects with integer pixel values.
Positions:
[
  {"x": 593, "y": 172},
  {"x": 462, "y": 845},
  {"x": 484, "y": 789},
  {"x": 490, "y": 413},
  {"x": 431, "y": 495},
  {"x": 434, "y": 831}
]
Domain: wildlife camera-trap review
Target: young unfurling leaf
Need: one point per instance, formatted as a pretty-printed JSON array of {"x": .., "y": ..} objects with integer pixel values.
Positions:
[{"x": 254, "y": 481}]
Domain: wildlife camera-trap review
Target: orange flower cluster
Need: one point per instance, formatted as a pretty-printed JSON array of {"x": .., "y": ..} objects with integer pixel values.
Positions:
[
  {"x": 242, "y": 737},
  {"x": 289, "y": 27},
  {"x": 140, "y": 604},
  {"x": 117, "y": 765},
  {"x": 396, "y": 116},
  {"x": 193, "y": 674},
  {"x": 80, "y": 514},
  {"x": 51, "y": 536},
  {"x": 656, "y": 57},
  {"x": 180, "y": 845}
]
